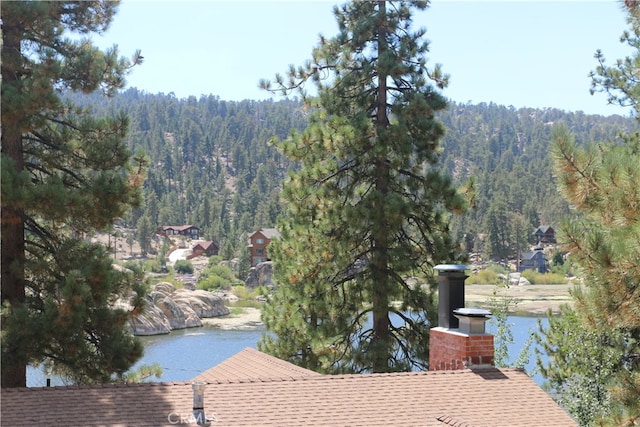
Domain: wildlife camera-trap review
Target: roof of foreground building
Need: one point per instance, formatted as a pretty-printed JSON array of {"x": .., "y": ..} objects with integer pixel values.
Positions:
[{"x": 253, "y": 389}]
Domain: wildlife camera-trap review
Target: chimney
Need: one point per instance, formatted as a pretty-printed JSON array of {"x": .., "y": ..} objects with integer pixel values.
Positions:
[
  {"x": 460, "y": 340},
  {"x": 198, "y": 404}
]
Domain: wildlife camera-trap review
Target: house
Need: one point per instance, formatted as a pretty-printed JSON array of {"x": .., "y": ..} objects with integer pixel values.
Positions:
[
  {"x": 255, "y": 389},
  {"x": 534, "y": 260},
  {"x": 276, "y": 394},
  {"x": 188, "y": 231},
  {"x": 207, "y": 248},
  {"x": 258, "y": 242},
  {"x": 496, "y": 397},
  {"x": 545, "y": 235}
]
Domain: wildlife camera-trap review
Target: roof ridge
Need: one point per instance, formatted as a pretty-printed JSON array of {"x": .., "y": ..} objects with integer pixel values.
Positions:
[
  {"x": 335, "y": 377},
  {"x": 96, "y": 386},
  {"x": 320, "y": 377},
  {"x": 272, "y": 360}
]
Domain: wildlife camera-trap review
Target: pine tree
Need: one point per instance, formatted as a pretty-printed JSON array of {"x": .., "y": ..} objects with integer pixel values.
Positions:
[
  {"x": 368, "y": 208},
  {"x": 600, "y": 182},
  {"x": 64, "y": 175}
]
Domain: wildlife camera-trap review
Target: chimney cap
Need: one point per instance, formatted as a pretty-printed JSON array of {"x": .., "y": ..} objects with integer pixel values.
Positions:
[
  {"x": 450, "y": 267},
  {"x": 472, "y": 312}
]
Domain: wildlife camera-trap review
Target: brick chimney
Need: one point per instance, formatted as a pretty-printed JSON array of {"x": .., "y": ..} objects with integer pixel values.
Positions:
[{"x": 459, "y": 341}]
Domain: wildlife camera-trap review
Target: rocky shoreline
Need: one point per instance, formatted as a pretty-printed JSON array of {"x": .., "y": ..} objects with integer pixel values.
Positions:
[{"x": 168, "y": 309}]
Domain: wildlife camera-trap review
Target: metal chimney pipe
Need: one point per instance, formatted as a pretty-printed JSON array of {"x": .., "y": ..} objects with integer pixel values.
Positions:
[
  {"x": 451, "y": 279},
  {"x": 472, "y": 320},
  {"x": 198, "y": 404}
]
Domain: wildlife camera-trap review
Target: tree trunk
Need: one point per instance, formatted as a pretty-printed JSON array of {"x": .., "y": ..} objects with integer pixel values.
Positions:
[
  {"x": 12, "y": 248},
  {"x": 380, "y": 274}
]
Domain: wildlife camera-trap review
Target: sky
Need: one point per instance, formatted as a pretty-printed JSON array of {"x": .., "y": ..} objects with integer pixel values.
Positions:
[{"x": 513, "y": 53}]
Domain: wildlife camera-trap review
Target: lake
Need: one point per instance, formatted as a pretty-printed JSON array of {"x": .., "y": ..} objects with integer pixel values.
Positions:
[{"x": 185, "y": 353}]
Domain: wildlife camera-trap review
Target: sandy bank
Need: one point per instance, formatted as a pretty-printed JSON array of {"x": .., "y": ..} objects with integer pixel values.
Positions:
[
  {"x": 532, "y": 300},
  {"x": 249, "y": 318}
]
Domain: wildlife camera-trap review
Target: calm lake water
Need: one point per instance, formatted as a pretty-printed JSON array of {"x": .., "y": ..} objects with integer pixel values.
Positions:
[{"x": 185, "y": 353}]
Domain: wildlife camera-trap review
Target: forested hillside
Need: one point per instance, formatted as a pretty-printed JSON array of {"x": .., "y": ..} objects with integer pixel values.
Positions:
[
  {"x": 507, "y": 152},
  {"x": 211, "y": 164}
]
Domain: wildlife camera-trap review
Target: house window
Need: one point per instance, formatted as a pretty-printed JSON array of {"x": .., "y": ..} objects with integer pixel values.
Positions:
[
  {"x": 260, "y": 241},
  {"x": 259, "y": 251}
]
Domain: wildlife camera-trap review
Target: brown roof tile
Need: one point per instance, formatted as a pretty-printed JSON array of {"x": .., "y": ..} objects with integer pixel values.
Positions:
[
  {"x": 506, "y": 397},
  {"x": 251, "y": 363}
]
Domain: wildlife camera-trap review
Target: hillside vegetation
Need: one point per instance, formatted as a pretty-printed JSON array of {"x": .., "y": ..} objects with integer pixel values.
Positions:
[{"x": 211, "y": 165}]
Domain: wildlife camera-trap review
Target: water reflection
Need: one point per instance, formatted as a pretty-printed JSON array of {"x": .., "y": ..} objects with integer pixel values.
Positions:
[{"x": 185, "y": 353}]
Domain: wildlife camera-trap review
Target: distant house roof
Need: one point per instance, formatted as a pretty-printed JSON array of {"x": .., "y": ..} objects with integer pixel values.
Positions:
[
  {"x": 545, "y": 228},
  {"x": 253, "y": 364},
  {"x": 545, "y": 234},
  {"x": 496, "y": 397},
  {"x": 177, "y": 227},
  {"x": 269, "y": 233},
  {"x": 205, "y": 245},
  {"x": 530, "y": 255}
]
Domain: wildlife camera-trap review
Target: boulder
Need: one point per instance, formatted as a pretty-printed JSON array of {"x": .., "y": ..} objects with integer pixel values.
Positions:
[
  {"x": 168, "y": 309},
  {"x": 164, "y": 288},
  {"x": 203, "y": 303},
  {"x": 514, "y": 279},
  {"x": 179, "y": 316},
  {"x": 151, "y": 321},
  {"x": 260, "y": 275}
]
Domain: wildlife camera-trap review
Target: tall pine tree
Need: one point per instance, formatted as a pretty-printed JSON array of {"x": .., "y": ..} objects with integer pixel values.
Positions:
[
  {"x": 600, "y": 181},
  {"x": 368, "y": 208},
  {"x": 594, "y": 347},
  {"x": 64, "y": 174}
]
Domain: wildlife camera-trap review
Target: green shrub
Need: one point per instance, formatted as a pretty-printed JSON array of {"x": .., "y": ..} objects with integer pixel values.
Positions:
[
  {"x": 134, "y": 266},
  {"x": 212, "y": 283},
  {"x": 242, "y": 292},
  {"x": 220, "y": 271},
  {"x": 484, "y": 277},
  {"x": 216, "y": 277},
  {"x": 497, "y": 268},
  {"x": 558, "y": 259},
  {"x": 183, "y": 266},
  {"x": 536, "y": 278},
  {"x": 565, "y": 269},
  {"x": 154, "y": 266},
  {"x": 214, "y": 260}
]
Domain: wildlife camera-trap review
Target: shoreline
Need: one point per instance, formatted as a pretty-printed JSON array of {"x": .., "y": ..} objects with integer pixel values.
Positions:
[
  {"x": 528, "y": 301},
  {"x": 250, "y": 318}
]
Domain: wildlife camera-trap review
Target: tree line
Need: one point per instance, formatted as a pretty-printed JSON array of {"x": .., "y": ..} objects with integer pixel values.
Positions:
[{"x": 213, "y": 164}]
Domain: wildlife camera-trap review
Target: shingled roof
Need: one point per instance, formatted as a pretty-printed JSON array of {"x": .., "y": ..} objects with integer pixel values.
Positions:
[
  {"x": 496, "y": 397},
  {"x": 253, "y": 364},
  {"x": 269, "y": 233}
]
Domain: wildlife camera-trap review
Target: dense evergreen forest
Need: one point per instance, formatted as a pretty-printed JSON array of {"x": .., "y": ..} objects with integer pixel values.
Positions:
[{"x": 211, "y": 164}]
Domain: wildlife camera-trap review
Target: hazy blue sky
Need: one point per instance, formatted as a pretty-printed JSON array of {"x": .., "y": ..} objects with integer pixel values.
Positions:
[{"x": 525, "y": 54}]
